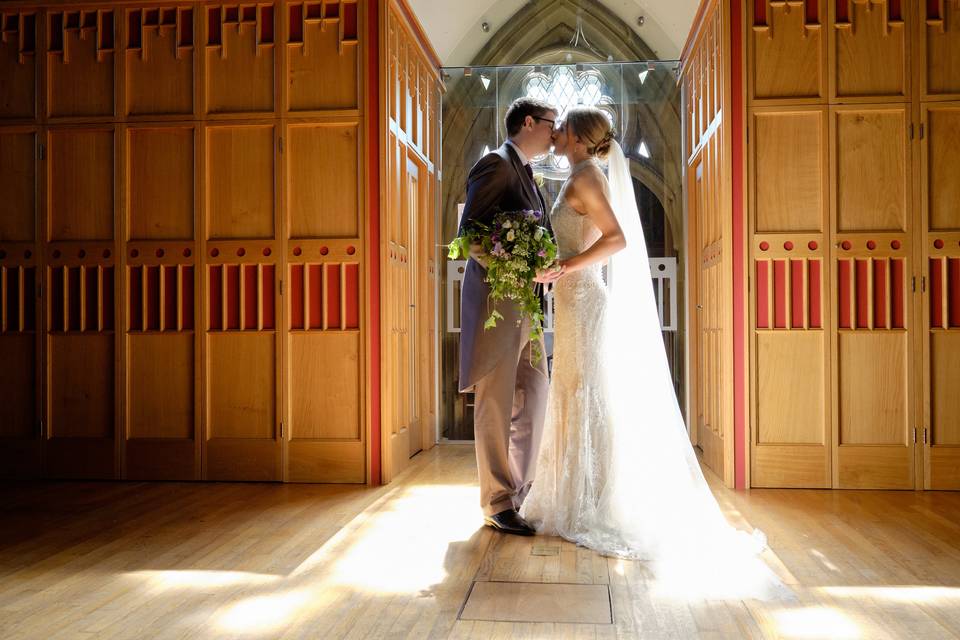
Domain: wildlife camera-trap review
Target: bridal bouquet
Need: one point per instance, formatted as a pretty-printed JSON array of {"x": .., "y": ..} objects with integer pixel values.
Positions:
[{"x": 516, "y": 247}]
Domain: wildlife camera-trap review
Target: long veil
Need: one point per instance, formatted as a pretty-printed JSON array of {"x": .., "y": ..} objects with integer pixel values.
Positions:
[{"x": 659, "y": 496}]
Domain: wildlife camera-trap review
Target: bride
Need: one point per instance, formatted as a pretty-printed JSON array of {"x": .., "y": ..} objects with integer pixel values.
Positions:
[{"x": 615, "y": 471}]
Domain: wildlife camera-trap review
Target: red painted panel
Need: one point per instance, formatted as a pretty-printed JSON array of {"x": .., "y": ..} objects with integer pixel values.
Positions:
[
  {"x": 332, "y": 277},
  {"x": 815, "y": 305},
  {"x": 13, "y": 299},
  {"x": 843, "y": 14},
  {"x": 296, "y": 23},
  {"x": 214, "y": 26},
  {"x": 896, "y": 13},
  {"x": 268, "y": 300},
  {"x": 91, "y": 305},
  {"x": 250, "y": 296},
  {"x": 843, "y": 294},
  {"x": 186, "y": 28},
  {"x": 170, "y": 294},
  {"x": 763, "y": 302},
  {"x": 108, "y": 308},
  {"x": 231, "y": 297},
  {"x": 813, "y": 11},
  {"x": 315, "y": 296},
  {"x": 29, "y": 298},
  {"x": 863, "y": 303},
  {"x": 133, "y": 29},
  {"x": 896, "y": 294},
  {"x": 296, "y": 296},
  {"x": 266, "y": 24},
  {"x": 350, "y": 22},
  {"x": 136, "y": 298},
  {"x": 936, "y": 292},
  {"x": 953, "y": 289},
  {"x": 73, "y": 291},
  {"x": 215, "y": 303},
  {"x": 152, "y": 294},
  {"x": 351, "y": 310},
  {"x": 186, "y": 297},
  {"x": 880, "y": 294},
  {"x": 780, "y": 294},
  {"x": 759, "y": 12},
  {"x": 796, "y": 293},
  {"x": 56, "y": 299},
  {"x": 933, "y": 9}
]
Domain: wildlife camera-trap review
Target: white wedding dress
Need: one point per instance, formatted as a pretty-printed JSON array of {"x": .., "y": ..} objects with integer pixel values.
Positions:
[{"x": 616, "y": 471}]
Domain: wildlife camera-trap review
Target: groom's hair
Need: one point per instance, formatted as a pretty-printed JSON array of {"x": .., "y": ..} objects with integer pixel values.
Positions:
[{"x": 518, "y": 111}]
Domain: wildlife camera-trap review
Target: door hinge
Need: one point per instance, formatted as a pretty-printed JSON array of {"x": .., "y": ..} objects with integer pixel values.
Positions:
[
  {"x": 914, "y": 435},
  {"x": 923, "y": 284},
  {"x": 911, "y": 131},
  {"x": 913, "y": 285},
  {"x": 921, "y": 131},
  {"x": 281, "y": 286},
  {"x": 924, "y": 436},
  {"x": 280, "y": 141},
  {"x": 40, "y": 428},
  {"x": 281, "y": 429},
  {"x": 41, "y": 150}
]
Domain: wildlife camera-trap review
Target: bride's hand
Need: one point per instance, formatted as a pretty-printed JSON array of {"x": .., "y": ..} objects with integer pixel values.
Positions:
[{"x": 552, "y": 274}]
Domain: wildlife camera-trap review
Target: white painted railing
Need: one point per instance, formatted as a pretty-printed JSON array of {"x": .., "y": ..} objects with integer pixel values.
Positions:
[{"x": 662, "y": 270}]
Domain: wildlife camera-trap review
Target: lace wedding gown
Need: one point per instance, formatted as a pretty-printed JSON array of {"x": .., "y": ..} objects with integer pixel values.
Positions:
[{"x": 612, "y": 474}]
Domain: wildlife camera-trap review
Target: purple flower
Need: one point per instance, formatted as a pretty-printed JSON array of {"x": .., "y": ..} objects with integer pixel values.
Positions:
[
  {"x": 497, "y": 249},
  {"x": 542, "y": 253}
]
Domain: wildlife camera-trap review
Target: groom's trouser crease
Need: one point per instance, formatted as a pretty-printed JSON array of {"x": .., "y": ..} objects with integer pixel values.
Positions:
[{"x": 509, "y": 403}]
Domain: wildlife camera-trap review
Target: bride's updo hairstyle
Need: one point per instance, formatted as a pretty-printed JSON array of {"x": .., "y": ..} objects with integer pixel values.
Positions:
[{"x": 592, "y": 126}]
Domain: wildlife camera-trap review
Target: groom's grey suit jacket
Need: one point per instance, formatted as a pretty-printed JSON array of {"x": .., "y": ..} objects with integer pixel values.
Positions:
[{"x": 498, "y": 182}]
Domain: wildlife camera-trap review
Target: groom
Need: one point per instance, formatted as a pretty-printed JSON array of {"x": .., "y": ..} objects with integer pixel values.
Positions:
[{"x": 510, "y": 392}]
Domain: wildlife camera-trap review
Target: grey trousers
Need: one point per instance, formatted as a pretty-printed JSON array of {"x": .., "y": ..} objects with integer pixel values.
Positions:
[{"x": 509, "y": 407}]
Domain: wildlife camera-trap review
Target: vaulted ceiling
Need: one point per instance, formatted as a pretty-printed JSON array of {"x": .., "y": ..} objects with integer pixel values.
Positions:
[{"x": 455, "y": 26}]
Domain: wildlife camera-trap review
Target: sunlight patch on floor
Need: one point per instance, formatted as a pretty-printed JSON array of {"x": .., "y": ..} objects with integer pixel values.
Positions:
[
  {"x": 904, "y": 594},
  {"x": 815, "y": 622}
]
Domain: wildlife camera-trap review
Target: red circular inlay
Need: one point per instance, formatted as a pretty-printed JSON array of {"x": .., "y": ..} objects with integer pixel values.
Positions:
[
  {"x": 56, "y": 253},
  {"x": 160, "y": 253},
  {"x": 324, "y": 251},
  {"x": 266, "y": 251},
  {"x": 297, "y": 251},
  {"x": 351, "y": 250},
  {"x": 106, "y": 253},
  {"x": 81, "y": 254},
  {"x": 3, "y": 254},
  {"x": 812, "y": 245},
  {"x": 788, "y": 245},
  {"x": 938, "y": 243},
  {"x": 214, "y": 252},
  {"x": 134, "y": 253},
  {"x": 895, "y": 244},
  {"x": 764, "y": 245},
  {"x": 241, "y": 252},
  {"x": 871, "y": 245},
  {"x": 846, "y": 245},
  {"x": 187, "y": 252},
  {"x": 27, "y": 253}
]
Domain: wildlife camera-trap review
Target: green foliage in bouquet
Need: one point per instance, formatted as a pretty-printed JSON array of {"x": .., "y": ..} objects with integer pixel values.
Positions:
[{"x": 516, "y": 247}]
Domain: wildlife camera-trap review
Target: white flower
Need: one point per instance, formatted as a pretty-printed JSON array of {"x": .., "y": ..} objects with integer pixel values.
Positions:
[
  {"x": 510, "y": 235},
  {"x": 538, "y": 178},
  {"x": 538, "y": 234},
  {"x": 506, "y": 224}
]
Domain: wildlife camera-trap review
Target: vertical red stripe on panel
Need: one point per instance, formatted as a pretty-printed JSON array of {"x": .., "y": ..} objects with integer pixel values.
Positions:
[
  {"x": 315, "y": 297},
  {"x": 880, "y": 294},
  {"x": 896, "y": 13},
  {"x": 108, "y": 309},
  {"x": 936, "y": 292},
  {"x": 813, "y": 11},
  {"x": 91, "y": 305},
  {"x": 863, "y": 302},
  {"x": 268, "y": 300},
  {"x": 351, "y": 309},
  {"x": 136, "y": 298},
  {"x": 170, "y": 295},
  {"x": 763, "y": 302},
  {"x": 186, "y": 297},
  {"x": 296, "y": 296},
  {"x": 73, "y": 284},
  {"x": 332, "y": 276},
  {"x": 251, "y": 296},
  {"x": 232, "y": 296},
  {"x": 843, "y": 294},
  {"x": 56, "y": 299},
  {"x": 953, "y": 290},
  {"x": 815, "y": 304},
  {"x": 152, "y": 294},
  {"x": 780, "y": 294},
  {"x": 896, "y": 294},
  {"x": 843, "y": 14},
  {"x": 215, "y": 303},
  {"x": 759, "y": 12},
  {"x": 796, "y": 293},
  {"x": 933, "y": 10},
  {"x": 29, "y": 298}
]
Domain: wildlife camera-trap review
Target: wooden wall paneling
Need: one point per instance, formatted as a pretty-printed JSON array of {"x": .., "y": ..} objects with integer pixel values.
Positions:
[
  {"x": 19, "y": 304},
  {"x": 870, "y": 49},
  {"x": 940, "y": 50},
  {"x": 873, "y": 364},
  {"x": 160, "y": 288},
  {"x": 81, "y": 64},
  {"x": 323, "y": 56},
  {"x": 242, "y": 350},
  {"x": 240, "y": 58},
  {"x": 158, "y": 42},
  {"x": 19, "y": 63},
  {"x": 787, "y": 51},
  {"x": 940, "y": 287},
  {"x": 789, "y": 368}
]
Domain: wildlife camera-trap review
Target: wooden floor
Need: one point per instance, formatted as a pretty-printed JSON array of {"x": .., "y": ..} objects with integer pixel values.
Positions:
[{"x": 177, "y": 560}]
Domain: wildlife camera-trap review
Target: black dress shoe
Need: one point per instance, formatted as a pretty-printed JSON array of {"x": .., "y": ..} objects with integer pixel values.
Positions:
[{"x": 509, "y": 521}]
